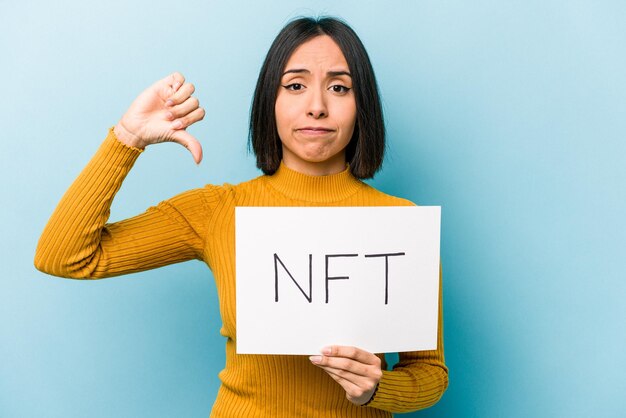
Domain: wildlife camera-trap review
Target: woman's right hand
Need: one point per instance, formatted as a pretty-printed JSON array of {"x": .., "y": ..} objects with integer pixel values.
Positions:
[{"x": 161, "y": 114}]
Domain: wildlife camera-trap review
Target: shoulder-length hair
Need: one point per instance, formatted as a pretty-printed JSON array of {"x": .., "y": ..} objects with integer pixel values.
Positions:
[{"x": 365, "y": 151}]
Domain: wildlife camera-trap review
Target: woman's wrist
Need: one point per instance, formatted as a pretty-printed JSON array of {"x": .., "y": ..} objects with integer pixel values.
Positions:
[{"x": 126, "y": 137}]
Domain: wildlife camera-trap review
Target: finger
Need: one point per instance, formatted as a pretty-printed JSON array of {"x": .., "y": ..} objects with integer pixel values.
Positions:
[
  {"x": 354, "y": 353},
  {"x": 182, "y": 94},
  {"x": 350, "y": 387},
  {"x": 169, "y": 85},
  {"x": 188, "y": 120},
  {"x": 187, "y": 140},
  {"x": 176, "y": 80},
  {"x": 347, "y": 365},
  {"x": 357, "y": 392},
  {"x": 355, "y": 379},
  {"x": 182, "y": 109}
]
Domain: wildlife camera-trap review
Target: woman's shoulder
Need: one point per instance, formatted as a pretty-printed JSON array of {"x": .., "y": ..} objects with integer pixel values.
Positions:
[
  {"x": 213, "y": 194},
  {"x": 381, "y": 198}
]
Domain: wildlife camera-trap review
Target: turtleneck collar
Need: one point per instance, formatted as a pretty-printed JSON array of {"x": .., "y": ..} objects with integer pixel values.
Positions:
[{"x": 320, "y": 189}]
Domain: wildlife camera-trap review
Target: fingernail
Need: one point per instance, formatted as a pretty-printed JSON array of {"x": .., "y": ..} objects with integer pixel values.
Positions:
[
  {"x": 326, "y": 351},
  {"x": 316, "y": 359},
  {"x": 169, "y": 115},
  {"x": 169, "y": 103},
  {"x": 177, "y": 125}
]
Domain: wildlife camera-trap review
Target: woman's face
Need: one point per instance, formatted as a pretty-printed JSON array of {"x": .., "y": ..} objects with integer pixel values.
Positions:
[{"x": 315, "y": 108}]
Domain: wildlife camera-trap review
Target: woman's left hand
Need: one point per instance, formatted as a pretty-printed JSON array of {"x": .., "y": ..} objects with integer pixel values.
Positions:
[{"x": 356, "y": 370}]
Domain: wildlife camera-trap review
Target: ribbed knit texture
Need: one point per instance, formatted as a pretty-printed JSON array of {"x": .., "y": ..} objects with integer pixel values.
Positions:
[{"x": 199, "y": 224}]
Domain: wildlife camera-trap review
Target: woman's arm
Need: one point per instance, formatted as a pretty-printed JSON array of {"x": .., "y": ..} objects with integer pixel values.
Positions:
[{"x": 78, "y": 243}]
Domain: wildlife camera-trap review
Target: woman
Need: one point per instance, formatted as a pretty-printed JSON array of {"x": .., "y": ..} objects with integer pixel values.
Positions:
[{"x": 316, "y": 128}]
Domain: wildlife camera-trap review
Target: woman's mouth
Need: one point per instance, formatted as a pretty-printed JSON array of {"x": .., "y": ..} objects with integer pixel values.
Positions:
[{"x": 314, "y": 130}]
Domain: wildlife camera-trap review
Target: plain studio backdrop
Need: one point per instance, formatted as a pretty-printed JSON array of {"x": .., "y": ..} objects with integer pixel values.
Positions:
[{"x": 511, "y": 115}]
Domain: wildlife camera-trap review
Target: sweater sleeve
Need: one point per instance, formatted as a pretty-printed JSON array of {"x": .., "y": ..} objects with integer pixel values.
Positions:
[
  {"x": 78, "y": 243},
  {"x": 418, "y": 380}
]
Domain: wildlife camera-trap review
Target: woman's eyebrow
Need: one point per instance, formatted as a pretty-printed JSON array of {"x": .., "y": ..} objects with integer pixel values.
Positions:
[
  {"x": 297, "y": 70},
  {"x": 329, "y": 73},
  {"x": 338, "y": 73}
]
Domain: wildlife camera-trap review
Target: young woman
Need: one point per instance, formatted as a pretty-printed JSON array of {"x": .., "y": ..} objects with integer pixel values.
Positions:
[{"x": 316, "y": 128}]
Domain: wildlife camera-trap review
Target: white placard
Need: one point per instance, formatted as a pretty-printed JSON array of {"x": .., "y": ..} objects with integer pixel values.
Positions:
[{"x": 308, "y": 277}]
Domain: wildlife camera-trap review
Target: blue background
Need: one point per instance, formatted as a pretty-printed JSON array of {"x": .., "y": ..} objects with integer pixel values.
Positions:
[{"x": 509, "y": 114}]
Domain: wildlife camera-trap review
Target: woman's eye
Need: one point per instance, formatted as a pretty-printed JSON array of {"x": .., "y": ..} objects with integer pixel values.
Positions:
[
  {"x": 294, "y": 86},
  {"x": 337, "y": 88}
]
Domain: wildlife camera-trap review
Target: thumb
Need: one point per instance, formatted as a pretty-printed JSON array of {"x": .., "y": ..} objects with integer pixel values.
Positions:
[{"x": 188, "y": 141}]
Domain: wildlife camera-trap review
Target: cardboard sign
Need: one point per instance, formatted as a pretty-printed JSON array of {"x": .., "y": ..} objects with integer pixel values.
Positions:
[{"x": 308, "y": 277}]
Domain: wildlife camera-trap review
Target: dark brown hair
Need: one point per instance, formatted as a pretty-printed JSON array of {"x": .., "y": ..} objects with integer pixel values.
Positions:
[{"x": 366, "y": 149}]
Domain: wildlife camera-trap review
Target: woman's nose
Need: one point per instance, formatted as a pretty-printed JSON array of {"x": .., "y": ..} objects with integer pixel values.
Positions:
[{"x": 317, "y": 105}]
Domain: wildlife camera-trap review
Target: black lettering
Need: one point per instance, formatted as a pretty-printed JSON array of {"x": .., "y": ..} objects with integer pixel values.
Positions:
[
  {"x": 387, "y": 255},
  {"x": 308, "y": 297},
  {"x": 337, "y": 277}
]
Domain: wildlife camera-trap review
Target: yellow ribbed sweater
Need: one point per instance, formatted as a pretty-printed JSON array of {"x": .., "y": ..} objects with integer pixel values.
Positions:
[{"x": 199, "y": 224}]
